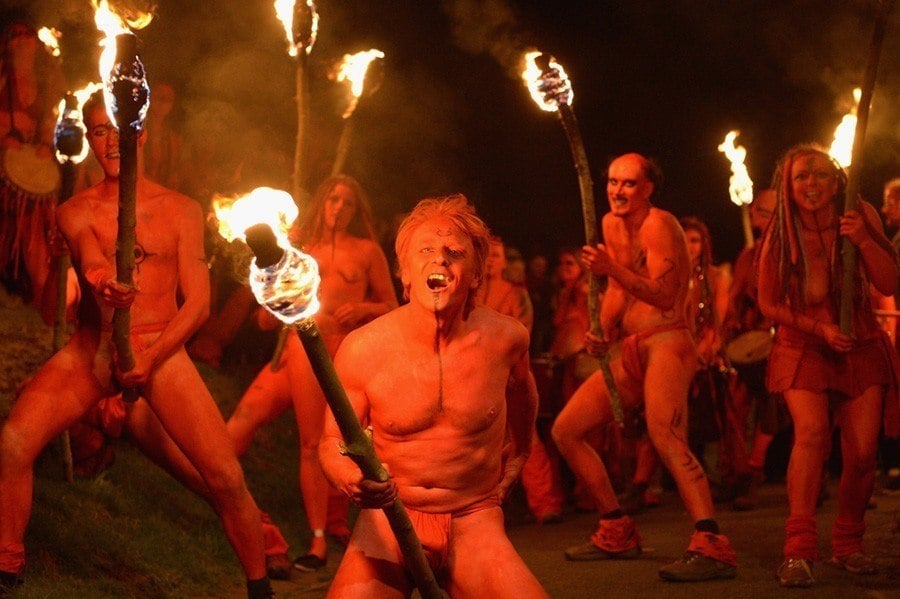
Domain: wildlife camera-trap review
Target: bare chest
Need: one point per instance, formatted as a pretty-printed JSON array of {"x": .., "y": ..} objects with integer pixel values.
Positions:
[{"x": 460, "y": 392}]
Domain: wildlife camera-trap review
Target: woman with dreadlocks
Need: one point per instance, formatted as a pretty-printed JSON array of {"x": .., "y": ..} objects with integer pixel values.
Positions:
[
  {"x": 356, "y": 287},
  {"x": 820, "y": 371}
]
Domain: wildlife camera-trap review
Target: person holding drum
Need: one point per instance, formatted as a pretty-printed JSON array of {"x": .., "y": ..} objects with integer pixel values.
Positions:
[
  {"x": 822, "y": 372},
  {"x": 31, "y": 85},
  {"x": 748, "y": 347}
]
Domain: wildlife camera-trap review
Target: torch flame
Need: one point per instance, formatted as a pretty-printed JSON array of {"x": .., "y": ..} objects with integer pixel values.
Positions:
[
  {"x": 72, "y": 114},
  {"x": 111, "y": 24},
  {"x": 353, "y": 69},
  {"x": 273, "y": 207},
  {"x": 532, "y": 77},
  {"x": 842, "y": 146},
  {"x": 740, "y": 186},
  {"x": 50, "y": 37},
  {"x": 284, "y": 10}
]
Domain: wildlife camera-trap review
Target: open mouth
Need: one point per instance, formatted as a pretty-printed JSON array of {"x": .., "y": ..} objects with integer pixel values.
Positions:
[{"x": 436, "y": 281}]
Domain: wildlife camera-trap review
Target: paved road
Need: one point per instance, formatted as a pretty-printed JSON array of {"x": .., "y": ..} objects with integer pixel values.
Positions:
[{"x": 757, "y": 536}]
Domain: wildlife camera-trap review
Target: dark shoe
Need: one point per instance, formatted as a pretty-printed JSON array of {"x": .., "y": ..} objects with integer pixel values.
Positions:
[
  {"x": 855, "y": 563},
  {"x": 309, "y": 563},
  {"x": 278, "y": 566},
  {"x": 796, "y": 572},
  {"x": 695, "y": 567},
  {"x": 260, "y": 589},
  {"x": 590, "y": 552}
]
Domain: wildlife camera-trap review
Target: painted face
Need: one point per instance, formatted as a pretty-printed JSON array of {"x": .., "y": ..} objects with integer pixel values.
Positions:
[
  {"x": 694, "y": 243},
  {"x": 340, "y": 207},
  {"x": 627, "y": 188},
  {"x": 762, "y": 209},
  {"x": 813, "y": 181},
  {"x": 891, "y": 207},
  {"x": 568, "y": 270},
  {"x": 103, "y": 138},
  {"x": 440, "y": 265},
  {"x": 496, "y": 261}
]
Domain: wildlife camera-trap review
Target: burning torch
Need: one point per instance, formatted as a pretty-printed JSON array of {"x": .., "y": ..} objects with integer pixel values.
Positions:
[
  {"x": 848, "y": 250},
  {"x": 127, "y": 98},
  {"x": 354, "y": 69},
  {"x": 301, "y": 25},
  {"x": 740, "y": 186},
  {"x": 552, "y": 91},
  {"x": 285, "y": 282},
  {"x": 71, "y": 149}
]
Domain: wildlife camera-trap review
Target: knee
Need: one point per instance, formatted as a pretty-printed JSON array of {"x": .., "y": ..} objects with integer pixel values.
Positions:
[
  {"x": 13, "y": 446},
  {"x": 225, "y": 479},
  {"x": 812, "y": 437},
  {"x": 563, "y": 435}
]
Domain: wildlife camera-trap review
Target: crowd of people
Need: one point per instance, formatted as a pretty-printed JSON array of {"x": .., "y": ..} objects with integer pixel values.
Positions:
[{"x": 487, "y": 371}]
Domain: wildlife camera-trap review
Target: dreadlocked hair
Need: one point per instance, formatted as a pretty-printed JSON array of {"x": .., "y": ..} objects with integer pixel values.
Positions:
[{"x": 784, "y": 231}]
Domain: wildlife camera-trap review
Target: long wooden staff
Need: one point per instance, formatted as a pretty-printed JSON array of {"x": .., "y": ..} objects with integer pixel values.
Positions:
[
  {"x": 589, "y": 215},
  {"x": 848, "y": 250},
  {"x": 129, "y": 90},
  {"x": 358, "y": 445}
]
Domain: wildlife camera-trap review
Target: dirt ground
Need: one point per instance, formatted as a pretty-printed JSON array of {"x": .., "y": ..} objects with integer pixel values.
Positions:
[{"x": 757, "y": 537}]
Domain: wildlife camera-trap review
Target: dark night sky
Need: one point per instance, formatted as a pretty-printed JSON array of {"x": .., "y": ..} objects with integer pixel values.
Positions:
[{"x": 665, "y": 78}]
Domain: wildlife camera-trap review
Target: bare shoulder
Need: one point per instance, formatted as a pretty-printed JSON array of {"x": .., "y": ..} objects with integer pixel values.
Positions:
[
  {"x": 870, "y": 213},
  {"x": 499, "y": 328},
  {"x": 80, "y": 208},
  {"x": 660, "y": 221},
  {"x": 169, "y": 200},
  {"x": 368, "y": 248}
]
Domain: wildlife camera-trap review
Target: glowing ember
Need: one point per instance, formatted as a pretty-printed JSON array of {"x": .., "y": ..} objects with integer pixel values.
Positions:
[
  {"x": 50, "y": 38},
  {"x": 70, "y": 117},
  {"x": 284, "y": 10},
  {"x": 740, "y": 186},
  {"x": 273, "y": 207},
  {"x": 842, "y": 146},
  {"x": 353, "y": 69},
  {"x": 535, "y": 81},
  {"x": 111, "y": 24}
]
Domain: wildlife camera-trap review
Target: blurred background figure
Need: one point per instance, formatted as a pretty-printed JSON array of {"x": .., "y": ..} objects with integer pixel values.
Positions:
[{"x": 163, "y": 149}]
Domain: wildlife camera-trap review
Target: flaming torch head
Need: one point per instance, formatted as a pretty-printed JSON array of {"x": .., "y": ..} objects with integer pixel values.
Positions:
[
  {"x": 740, "y": 185},
  {"x": 127, "y": 93},
  {"x": 301, "y": 23},
  {"x": 547, "y": 81},
  {"x": 284, "y": 280},
  {"x": 50, "y": 38},
  {"x": 842, "y": 145},
  {"x": 70, "y": 130},
  {"x": 356, "y": 70}
]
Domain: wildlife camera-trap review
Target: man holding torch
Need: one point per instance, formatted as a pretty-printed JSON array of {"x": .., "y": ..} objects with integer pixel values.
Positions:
[
  {"x": 452, "y": 403},
  {"x": 170, "y": 260},
  {"x": 646, "y": 260}
]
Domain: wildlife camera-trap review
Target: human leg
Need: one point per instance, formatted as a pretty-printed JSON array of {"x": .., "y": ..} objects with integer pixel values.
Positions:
[
  {"x": 542, "y": 491},
  {"x": 482, "y": 562},
  {"x": 371, "y": 566},
  {"x": 859, "y": 420},
  {"x": 267, "y": 397},
  {"x": 58, "y": 395},
  {"x": 179, "y": 398},
  {"x": 309, "y": 410}
]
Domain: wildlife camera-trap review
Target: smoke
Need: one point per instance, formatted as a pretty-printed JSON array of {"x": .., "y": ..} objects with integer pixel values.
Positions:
[{"x": 488, "y": 27}]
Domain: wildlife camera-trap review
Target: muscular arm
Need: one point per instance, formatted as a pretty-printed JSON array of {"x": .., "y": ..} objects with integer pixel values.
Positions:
[
  {"x": 876, "y": 252},
  {"x": 521, "y": 412},
  {"x": 665, "y": 247},
  {"x": 340, "y": 470}
]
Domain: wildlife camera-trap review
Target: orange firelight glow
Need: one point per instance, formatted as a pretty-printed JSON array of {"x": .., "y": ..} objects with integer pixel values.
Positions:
[
  {"x": 740, "y": 186},
  {"x": 50, "y": 38},
  {"x": 842, "y": 146},
  {"x": 273, "y": 207},
  {"x": 352, "y": 69},
  {"x": 532, "y": 77},
  {"x": 73, "y": 113}
]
